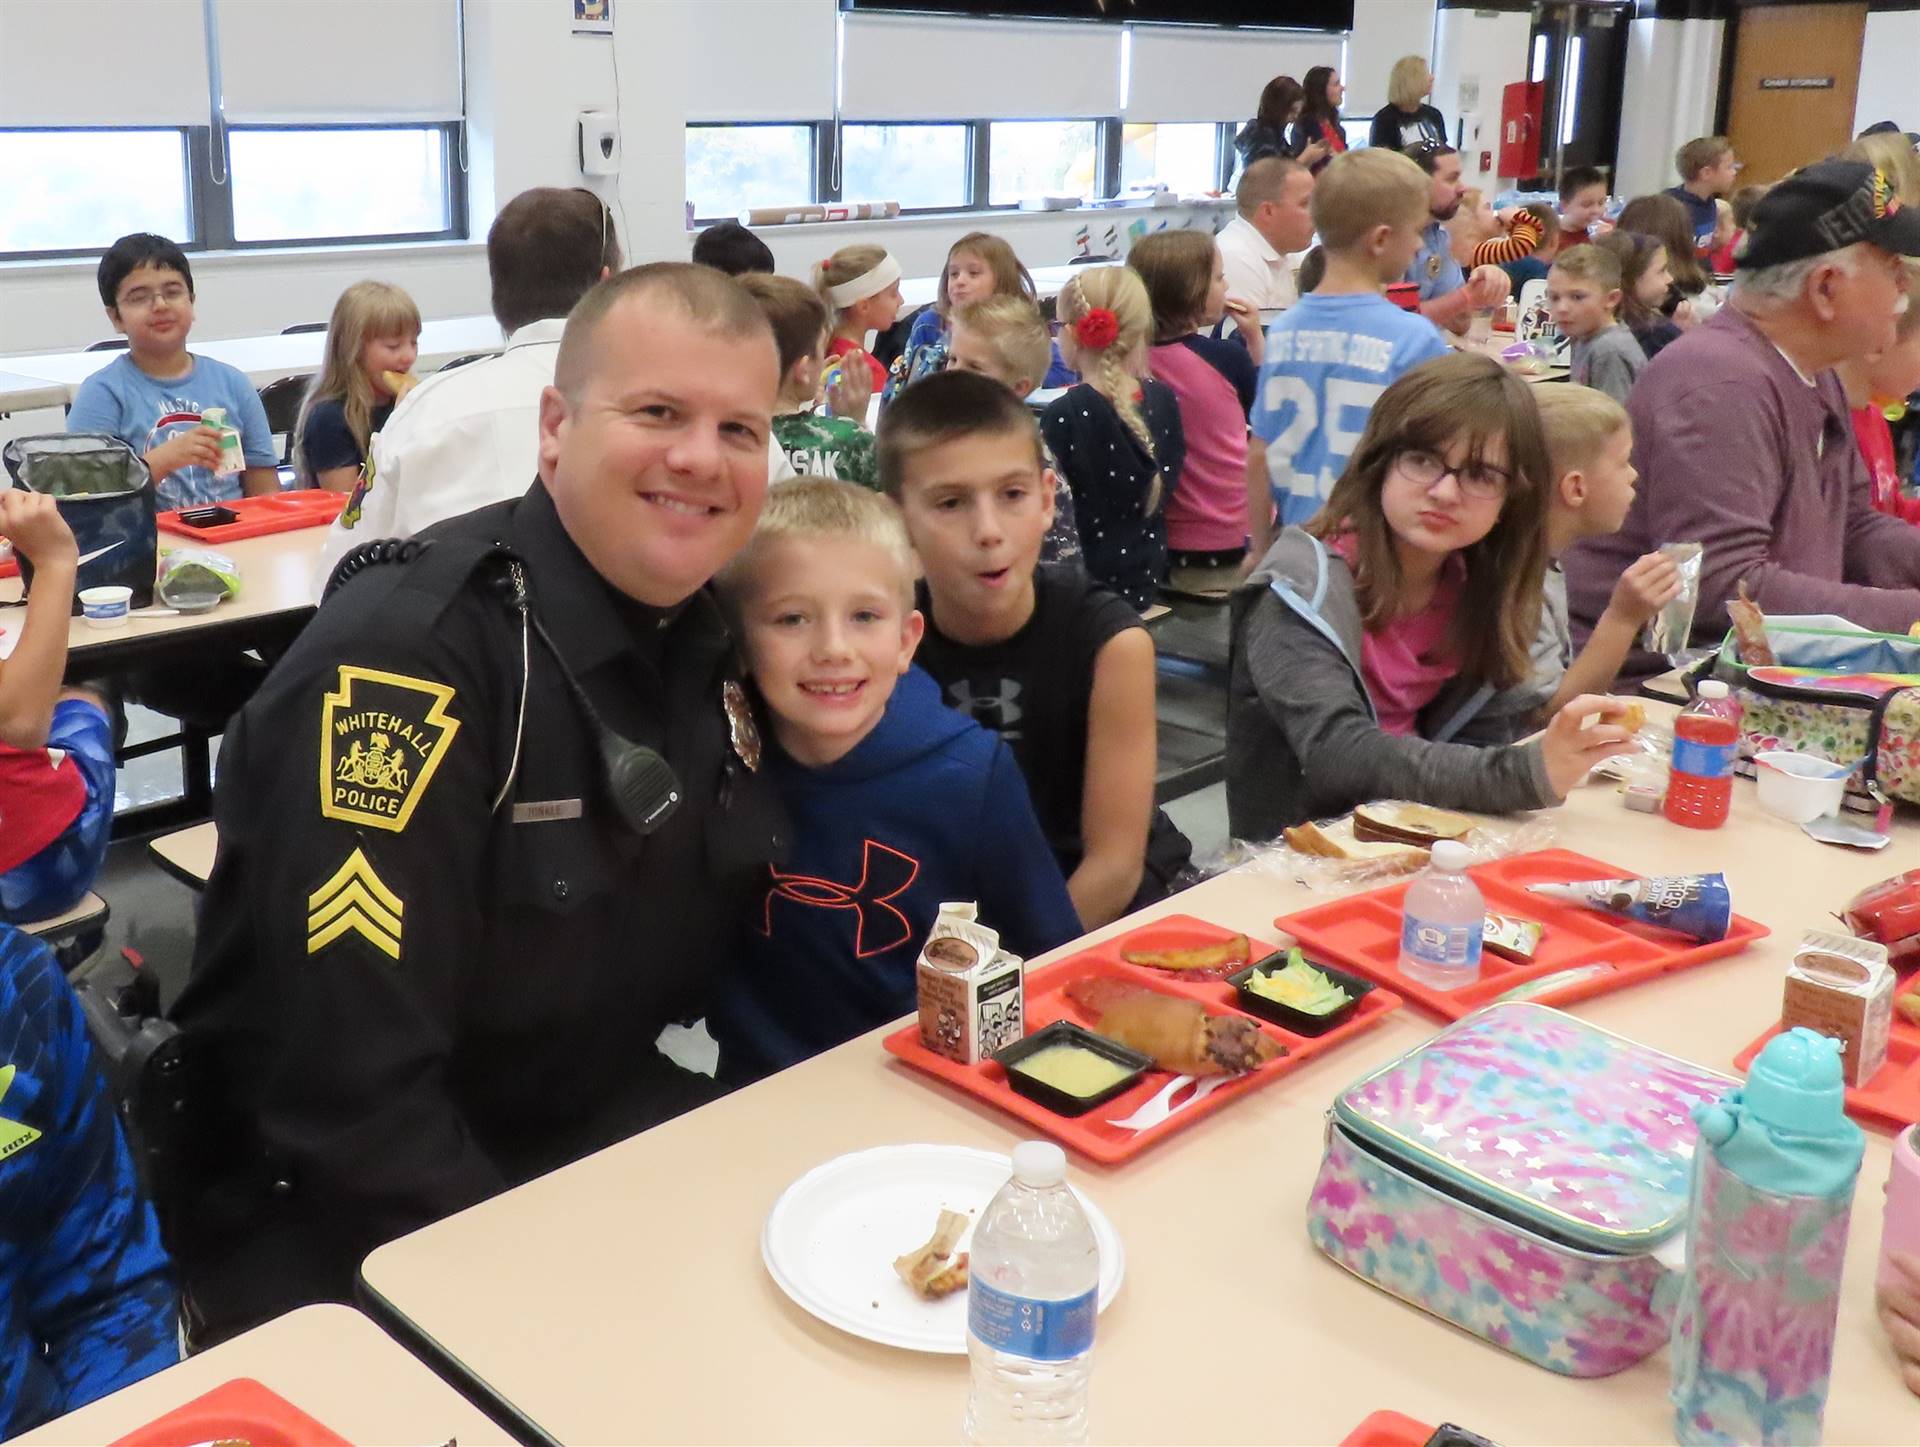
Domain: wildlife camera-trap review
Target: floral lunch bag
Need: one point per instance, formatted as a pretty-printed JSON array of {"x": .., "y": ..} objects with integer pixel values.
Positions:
[{"x": 1514, "y": 1176}]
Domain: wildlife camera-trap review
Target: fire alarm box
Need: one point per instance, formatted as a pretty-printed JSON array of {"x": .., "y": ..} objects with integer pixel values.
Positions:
[{"x": 1522, "y": 105}]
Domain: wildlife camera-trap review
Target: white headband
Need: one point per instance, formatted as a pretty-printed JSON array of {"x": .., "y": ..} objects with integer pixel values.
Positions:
[{"x": 870, "y": 283}]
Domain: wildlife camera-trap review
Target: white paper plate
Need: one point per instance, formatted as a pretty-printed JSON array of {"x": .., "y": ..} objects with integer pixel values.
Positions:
[{"x": 831, "y": 1238}]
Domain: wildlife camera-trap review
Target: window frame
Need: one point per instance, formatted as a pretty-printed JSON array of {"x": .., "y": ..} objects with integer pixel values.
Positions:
[
  {"x": 218, "y": 196},
  {"x": 1108, "y": 130},
  {"x": 209, "y": 201},
  {"x": 816, "y": 173}
]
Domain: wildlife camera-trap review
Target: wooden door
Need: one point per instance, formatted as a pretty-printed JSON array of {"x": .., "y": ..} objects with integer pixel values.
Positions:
[{"x": 1796, "y": 70}]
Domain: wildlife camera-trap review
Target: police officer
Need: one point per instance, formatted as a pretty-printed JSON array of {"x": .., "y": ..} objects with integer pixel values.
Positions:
[{"x": 484, "y": 830}]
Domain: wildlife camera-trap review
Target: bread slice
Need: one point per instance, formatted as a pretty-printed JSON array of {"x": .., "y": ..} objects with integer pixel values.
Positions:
[
  {"x": 1408, "y": 824},
  {"x": 1337, "y": 841}
]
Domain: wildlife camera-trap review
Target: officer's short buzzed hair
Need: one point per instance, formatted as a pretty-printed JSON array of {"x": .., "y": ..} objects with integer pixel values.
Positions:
[
  {"x": 711, "y": 299},
  {"x": 823, "y": 508}
]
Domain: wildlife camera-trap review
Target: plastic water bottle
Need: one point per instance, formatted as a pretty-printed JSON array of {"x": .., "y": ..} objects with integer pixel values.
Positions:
[
  {"x": 1033, "y": 1292},
  {"x": 1773, "y": 1178},
  {"x": 1705, "y": 737},
  {"x": 1441, "y": 921}
]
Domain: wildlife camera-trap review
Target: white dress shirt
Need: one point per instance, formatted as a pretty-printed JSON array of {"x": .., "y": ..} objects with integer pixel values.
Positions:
[
  {"x": 460, "y": 440},
  {"x": 1256, "y": 273}
]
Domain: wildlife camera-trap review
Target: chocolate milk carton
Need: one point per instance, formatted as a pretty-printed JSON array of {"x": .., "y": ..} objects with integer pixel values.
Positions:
[
  {"x": 972, "y": 992},
  {"x": 1842, "y": 986}
]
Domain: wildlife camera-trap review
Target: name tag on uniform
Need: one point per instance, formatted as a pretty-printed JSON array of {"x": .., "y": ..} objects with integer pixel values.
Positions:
[{"x": 545, "y": 811}]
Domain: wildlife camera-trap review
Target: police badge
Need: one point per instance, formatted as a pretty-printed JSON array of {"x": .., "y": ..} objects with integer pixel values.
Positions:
[{"x": 741, "y": 729}]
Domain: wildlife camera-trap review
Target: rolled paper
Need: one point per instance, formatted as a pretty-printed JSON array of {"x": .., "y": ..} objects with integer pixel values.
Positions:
[{"x": 1696, "y": 905}]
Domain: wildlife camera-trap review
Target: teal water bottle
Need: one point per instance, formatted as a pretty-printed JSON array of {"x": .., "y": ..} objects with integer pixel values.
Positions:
[{"x": 1773, "y": 1178}]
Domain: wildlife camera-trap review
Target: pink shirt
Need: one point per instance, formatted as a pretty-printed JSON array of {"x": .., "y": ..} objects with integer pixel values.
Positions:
[
  {"x": 1207, "y": 511},
  {"x": 1403, "y": 664}
]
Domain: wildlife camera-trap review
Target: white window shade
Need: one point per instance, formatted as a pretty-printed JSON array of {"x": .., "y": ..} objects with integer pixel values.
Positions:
[
  {"x": 103, "y": 63},
  {"x": 759, "y": 60},
  {"x": 1201, "y": 75},
  {"x": 295, "y": 62},
  {"x": 902, "y": 69}
]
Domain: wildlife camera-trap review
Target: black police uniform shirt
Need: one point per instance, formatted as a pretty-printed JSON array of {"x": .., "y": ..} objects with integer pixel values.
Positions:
[
  {"x": 410, "y": 998},
  {"x": 1033, "y": 688},
  {"x": 327, "y": 443}
]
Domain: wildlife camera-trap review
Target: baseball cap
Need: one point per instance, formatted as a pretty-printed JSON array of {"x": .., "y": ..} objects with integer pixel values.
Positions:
[
  {"x": 1824, "y": 207},
  {"x": 1888, "y": 128}
]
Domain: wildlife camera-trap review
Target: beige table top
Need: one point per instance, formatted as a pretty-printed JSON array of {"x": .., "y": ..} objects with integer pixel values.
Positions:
[
  {"x": 25, "y": 394},
  {"x": 329, "y": 1361},
  {"x": 623, "y": 1298},
  {"x": 187, "y": 853},
  {"x": 276, "y": 576}
]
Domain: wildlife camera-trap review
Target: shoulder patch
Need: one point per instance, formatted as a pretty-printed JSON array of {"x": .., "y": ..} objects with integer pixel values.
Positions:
[
  {"x": 15, "y": 1136},
  {"x": 382, "y": 736},
  {"x": 354, "y": 901},
  {"x": 350, "y": 514}
]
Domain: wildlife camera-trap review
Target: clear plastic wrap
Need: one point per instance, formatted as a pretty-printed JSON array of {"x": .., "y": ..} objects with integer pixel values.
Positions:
[{"x": 1488, "y": 840}]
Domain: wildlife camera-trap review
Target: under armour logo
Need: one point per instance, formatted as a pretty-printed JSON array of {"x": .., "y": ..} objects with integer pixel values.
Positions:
[
  {"x": 999, "y": 710},
  {"x": 885, "y": 875}
]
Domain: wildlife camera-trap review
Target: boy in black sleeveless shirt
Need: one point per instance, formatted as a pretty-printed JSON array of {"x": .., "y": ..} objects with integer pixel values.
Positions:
[{"x": 1061, "y": 667}]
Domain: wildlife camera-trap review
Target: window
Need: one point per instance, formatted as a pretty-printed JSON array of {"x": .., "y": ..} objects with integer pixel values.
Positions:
[
  {"x": 78, "y": 190},
  {"x": 1035, "y": 158},
  {"x": 339, "y": 182},
  {"x": 923, "y": 167},
  {"x": 731, "y": 168},
  {"x": 1185, "y": 157}
]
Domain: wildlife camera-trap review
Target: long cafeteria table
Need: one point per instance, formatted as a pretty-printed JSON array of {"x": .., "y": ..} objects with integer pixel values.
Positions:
[
  {"x": 623, "y": 1298},
  {"x": 329, "y": 1362}
]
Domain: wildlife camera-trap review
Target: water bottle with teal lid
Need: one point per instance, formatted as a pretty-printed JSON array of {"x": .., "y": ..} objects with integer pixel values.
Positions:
[{"x": 1773, "y": 1180}]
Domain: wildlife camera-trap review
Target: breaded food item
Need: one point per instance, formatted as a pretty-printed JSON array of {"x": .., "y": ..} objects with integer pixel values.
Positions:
[
  {"x": 1215, "y": 960},
  {"x": 934, "y": 1270},
  {"x": 1635, "y": 718},
  {"x": 1400, "y": 823},
  {"x": 1180, "y": 1034}
]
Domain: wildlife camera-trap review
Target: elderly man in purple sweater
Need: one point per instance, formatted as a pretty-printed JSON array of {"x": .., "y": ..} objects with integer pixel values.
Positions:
[{"x": 1741, "y": 431}]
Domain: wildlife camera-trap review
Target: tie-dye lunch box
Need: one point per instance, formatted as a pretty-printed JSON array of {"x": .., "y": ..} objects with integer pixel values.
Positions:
[{"x": 1514, "y": 1175}]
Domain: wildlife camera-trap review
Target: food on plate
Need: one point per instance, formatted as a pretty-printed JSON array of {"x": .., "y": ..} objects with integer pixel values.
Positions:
[
  {"x": 1336, "y": 841},
  {"x": 1180, "y": 1035},
  {"x": 1909, "y": 1006},
  {"x": 1221, "y": 959},
  {"x": 1299, "y": 986},
  {"x": 1690, "y": 904},
  {"x": 1511, "y": 937},
  {"x": 1750, "y": 630},
  {"x": 1401, "y": 823},
  {"x": 1072, "y": 1069},
  {"x": 935, "y": 1270}
]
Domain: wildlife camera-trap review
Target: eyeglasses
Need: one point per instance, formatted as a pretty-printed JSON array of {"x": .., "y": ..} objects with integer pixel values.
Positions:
[
  {"x": 140, "y": 298},
  {"x": 1477, "y": 480}
]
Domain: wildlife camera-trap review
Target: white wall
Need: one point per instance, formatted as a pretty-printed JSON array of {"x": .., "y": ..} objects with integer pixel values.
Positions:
[
  {"x": 1483, "y": 51},
  {"x": 528, "y": 76},
  {"x": 1383, "y": 31},
  {"x": 1887, "y": 52},
  {"x": 1672, "y": 89}
]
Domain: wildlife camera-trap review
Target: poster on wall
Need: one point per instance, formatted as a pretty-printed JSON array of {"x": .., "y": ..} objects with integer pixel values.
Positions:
[{"x": 592, "y": 17}]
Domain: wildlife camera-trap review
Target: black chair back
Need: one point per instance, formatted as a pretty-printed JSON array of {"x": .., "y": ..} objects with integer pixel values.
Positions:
[
  {"x": 298, "y": 328},
  {"x": 470, "y": 357},
  {"x": 282, "y": 399},
  {"x": 111, "y": 344}
]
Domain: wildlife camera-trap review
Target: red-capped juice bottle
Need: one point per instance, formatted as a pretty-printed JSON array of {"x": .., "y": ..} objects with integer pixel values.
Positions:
[{"x": 1706, "y": 735}]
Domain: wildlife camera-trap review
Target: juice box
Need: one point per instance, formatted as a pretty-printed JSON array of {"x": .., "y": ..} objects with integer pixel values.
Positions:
[
  {"x": 972, "y": 993},
  {"x": 1842, "y": 986}
]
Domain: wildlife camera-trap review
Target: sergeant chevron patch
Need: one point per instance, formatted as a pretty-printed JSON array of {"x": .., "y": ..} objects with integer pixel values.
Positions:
[{"x": 355, "y": 901}]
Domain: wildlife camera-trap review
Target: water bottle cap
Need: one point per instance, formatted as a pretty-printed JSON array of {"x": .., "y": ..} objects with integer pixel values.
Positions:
[
  {"x": 1712, "y": 688},
  {"x": 1796, "y": 1084},
  {"x": 1039, "y": 1163},
  {"x": 1451, "y": 855}
]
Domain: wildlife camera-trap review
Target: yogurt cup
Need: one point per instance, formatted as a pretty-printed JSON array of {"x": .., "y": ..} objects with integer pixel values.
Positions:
[
  {"x": 106, "y": 607},
  {"x": 1799, "y": 787}
]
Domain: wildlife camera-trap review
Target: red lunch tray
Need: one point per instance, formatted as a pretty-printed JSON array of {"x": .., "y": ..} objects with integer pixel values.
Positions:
[
  {"x": 238, "y": 1411},
  {"x": 278, "y": 512},
  {"x": 1388, "y": 1429},
  {"x": 1362, "y": 933},
  {"x": 1090, "y": 1134},
  {"x": 1892, "y": 1097}
]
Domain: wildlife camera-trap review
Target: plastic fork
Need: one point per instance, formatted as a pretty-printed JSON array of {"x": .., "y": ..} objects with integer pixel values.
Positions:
[{"x": 1161, "y": 1106}]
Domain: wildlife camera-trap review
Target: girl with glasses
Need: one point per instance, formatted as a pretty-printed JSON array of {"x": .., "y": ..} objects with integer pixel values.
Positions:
[{"x": 1367, "y": 643}]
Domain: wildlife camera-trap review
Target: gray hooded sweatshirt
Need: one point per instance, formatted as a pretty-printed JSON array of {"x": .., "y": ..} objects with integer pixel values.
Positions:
[{"x": 1303, "y": 741}]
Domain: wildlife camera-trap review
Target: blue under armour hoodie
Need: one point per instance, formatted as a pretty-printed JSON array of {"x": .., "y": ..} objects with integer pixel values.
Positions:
[{"x": 929, "y": 807}]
